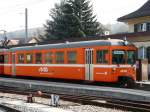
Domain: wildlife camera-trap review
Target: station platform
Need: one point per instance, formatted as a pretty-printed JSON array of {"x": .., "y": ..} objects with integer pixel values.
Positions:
[
  {"x": 76, "y": 89},
  {"x": 143, "y": 85},
  {"x": 143, "y": 82}
]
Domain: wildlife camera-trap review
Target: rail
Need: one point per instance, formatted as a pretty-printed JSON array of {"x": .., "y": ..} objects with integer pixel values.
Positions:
[
  {"x": 133, "y": 106},
  {"x": 8, "y": 109}
]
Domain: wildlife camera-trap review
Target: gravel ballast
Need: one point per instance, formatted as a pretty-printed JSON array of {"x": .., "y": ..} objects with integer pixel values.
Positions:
[{"x": 19, "y": 102}]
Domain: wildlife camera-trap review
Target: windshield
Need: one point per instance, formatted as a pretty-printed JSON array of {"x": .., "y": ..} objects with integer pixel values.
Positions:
[
  {"x": 118, "y": 57},
  {"x": 131, "y": 57},
  {"x": 123, "y": 57}
]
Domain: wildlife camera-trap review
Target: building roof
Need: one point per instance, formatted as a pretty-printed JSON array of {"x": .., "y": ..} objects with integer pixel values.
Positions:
[
  {"x": 128, "y": 35},
  {"x": 104, "y": 37},
  {"x": 13, "y": 42},
  {"x": 141, "y": 12}
]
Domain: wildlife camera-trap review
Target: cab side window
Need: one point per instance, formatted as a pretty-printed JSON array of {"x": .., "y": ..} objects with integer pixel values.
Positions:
[
  {"x": 72, "y": 57},
  {"x": 48, "y": 57},
  {"x": 59, "y": 57},
  {"x": 29, "y": 58},
  {"x": 102, "y": 56},
  {"x": 38, "y": 58},
  {"x": 6, "y": 58},
  {"x": 20, "y": 58}
]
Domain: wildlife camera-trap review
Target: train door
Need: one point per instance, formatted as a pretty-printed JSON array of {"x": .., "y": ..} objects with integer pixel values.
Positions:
[
  {"x": 13, "y": 64},
  {"x": 89, "y": 64}
]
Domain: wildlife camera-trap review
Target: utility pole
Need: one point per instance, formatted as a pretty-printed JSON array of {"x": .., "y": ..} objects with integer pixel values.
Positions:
[
  {"x": 26, "y": 25},
  {"x": 5, "y": 39}
]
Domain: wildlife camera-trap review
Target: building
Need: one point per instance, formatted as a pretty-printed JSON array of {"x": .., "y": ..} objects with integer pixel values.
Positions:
[
  {"x": 139, "y": 30},
  {"x": 139, "y": 20}
]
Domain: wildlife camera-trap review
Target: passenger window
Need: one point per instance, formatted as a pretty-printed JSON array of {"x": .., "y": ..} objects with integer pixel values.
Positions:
[
  {"x": 20, "y": 58},
  {"x": 59, "y": 57},
  {"x": 6, "y": 58},
  {"x": 102, "y": 56},
  {"x": 1, "y": 58},
  {"x": 38, "y": 58},
  {"x": 29, "y": 58},
  {"x": 48, "y": 57},
  {"x": 72, "y": 57}
]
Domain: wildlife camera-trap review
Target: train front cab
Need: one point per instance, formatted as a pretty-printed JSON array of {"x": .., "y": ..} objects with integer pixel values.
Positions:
[
  {"x": 123, "y": 60},
  {"x": 111, "y": 64}
]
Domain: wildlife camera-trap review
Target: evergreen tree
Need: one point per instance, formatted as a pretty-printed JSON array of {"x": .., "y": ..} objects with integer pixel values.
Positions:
[
  {"x": 52, "y": 25},
  {"x": 83, "y": 10},
  {"x": 70, "y": 22},
  {"x": 64, "y": 23},
  {"x": 72, "y": 18}
]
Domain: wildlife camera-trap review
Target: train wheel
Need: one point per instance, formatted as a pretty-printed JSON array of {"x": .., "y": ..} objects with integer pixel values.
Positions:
[{"x": 126, "y": 82}]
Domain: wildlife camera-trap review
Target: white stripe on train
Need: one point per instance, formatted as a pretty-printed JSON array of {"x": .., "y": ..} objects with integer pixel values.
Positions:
[{"x": 71, "y": 65}]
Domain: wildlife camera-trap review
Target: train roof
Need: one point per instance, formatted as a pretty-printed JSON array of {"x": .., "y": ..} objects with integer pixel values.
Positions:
[
  {"x": 109, "y": 42},
  {"x": 4, "y": 50}
]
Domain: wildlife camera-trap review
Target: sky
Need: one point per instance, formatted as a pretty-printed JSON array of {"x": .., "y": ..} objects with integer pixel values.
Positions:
[{"x": 12, "y": 12}]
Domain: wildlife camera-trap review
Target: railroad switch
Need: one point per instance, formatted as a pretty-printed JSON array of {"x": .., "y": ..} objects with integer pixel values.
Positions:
[
  {"x": 54, "y": 100},
  {"x": 30, "y": 98}
]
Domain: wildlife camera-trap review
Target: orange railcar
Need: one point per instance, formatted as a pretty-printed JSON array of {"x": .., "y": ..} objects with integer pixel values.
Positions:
[{"x": 99, "y": 60}]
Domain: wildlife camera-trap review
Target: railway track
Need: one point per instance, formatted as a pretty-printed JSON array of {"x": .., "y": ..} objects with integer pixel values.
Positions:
[
  {"x": 133, "y": 106},
  {"x": 138, "y": 86},
  {"x": 7, "y": 109}
]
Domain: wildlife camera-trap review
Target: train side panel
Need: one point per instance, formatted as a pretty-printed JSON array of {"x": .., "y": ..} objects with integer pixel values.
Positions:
[
  {"x": 90, "y": 62},
  {"x": 102, "y": 67},
  {"x": 53, "y": 70},
  {"x": 102, "y": 71}
]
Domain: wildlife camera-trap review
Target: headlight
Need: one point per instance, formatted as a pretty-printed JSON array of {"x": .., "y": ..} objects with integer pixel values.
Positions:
[{"x": 113, "y": 69}]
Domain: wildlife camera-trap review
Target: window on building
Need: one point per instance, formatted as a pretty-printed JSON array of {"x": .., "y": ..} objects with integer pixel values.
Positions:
[
  {"x": 72, "y": 57},
  {"x": 141, "y": 52},
  {"x": 48, "y": 57},
  {"x": 142, "y": 27},
  {"x": 138, "y": 27},
  {"x": 135, "y": 28},
  {"x": 20, "y": 58},
  {"x": 59, "y": 57},
  {"x": 148, "y": 54},
  {"x": 38, "y": 58},
  {"x": 6, "y": 58},
  {"x": 148, "y": 27},
  {"x": 29, "y": 58},
  {"x": 102, "y": 56}
]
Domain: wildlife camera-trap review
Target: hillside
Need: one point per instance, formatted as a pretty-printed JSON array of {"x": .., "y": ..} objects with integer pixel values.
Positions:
[{"x": 21, "y": 33}]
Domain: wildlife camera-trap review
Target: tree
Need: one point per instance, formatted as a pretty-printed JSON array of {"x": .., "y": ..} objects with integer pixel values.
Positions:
[
  {"x": 72, "y": 18},
  {"x": 71, "y": 22},
  {"x": 51, "y": 25},
  {"x": 83, "y": 10},
  {"x": 64, "y": 23}
]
